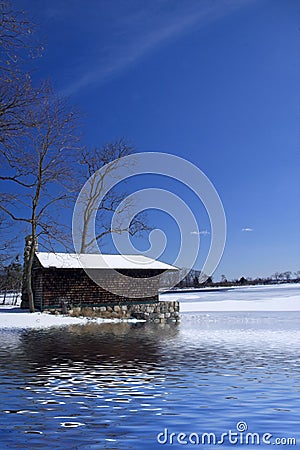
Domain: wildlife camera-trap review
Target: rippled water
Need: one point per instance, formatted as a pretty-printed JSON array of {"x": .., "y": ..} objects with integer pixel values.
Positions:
[{"x": 116, "y": 386}]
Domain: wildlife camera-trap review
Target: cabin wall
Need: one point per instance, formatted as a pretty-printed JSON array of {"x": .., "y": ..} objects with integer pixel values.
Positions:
[{"x": 73, "y": 287}]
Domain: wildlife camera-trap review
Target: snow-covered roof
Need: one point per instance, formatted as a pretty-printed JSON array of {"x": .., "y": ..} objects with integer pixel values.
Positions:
[{"x": 100, "y": 261}]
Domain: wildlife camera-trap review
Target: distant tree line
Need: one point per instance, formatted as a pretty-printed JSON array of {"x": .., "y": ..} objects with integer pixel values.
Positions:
[
  {"x": 195, "y": 279},
  {"x": 11, "y": 282}
]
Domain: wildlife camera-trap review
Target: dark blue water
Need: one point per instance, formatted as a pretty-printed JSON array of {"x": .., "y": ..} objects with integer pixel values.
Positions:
[{"x": 117, "y": 386}]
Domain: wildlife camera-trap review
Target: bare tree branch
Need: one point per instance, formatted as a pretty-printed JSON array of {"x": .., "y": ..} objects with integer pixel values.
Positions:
[
  {"x": 16, "y": 180},
  {"x": 21, "y": 219},
  {"x": 107, "y": 159}
]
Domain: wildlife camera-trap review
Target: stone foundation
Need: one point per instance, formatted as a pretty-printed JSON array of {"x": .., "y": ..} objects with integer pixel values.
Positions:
[{"x": 160, "y": 312}]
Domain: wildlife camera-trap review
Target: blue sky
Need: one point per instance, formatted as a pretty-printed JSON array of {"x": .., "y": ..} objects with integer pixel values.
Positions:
[{"x": 215, "y": 82}]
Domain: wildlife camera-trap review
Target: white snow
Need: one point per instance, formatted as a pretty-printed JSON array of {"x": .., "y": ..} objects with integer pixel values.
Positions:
[
  {"x": 14, "y": 317},
  {"x": 100, "y": 261},
  {"x": 285, "y": 297},
  {"x": 250, "y": 298}
]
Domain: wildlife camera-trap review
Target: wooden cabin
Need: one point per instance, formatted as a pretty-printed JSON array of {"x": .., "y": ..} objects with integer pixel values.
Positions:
[{"x": 60, "y": 279}]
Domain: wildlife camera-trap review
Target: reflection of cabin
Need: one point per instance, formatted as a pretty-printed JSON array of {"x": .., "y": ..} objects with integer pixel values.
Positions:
[{"x": 58, "y": 278}]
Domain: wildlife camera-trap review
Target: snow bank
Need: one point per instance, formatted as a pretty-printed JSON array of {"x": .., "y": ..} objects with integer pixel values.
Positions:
[{"x": 12, "y": 317}]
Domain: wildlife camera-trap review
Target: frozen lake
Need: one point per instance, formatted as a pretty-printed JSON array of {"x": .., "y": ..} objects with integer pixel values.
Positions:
[
  {"x": 120, "y": 386},
  {"x": 282, "y": 297}
]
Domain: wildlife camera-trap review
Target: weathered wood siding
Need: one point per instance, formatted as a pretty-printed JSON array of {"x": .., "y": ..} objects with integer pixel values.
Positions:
[{"x": 53, "y": 286}]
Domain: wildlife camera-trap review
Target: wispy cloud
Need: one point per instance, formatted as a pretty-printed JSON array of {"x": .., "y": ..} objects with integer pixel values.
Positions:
[
  {"x": 203, "y": 232},
  {"x": 247, "y": 229},
  {"x": 139, "y": 29}
]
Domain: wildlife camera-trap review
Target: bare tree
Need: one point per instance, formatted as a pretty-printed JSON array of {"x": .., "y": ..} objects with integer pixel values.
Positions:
[
  {"x": 276, "y": 276},
  {"x": 106, "y": 158},
  {"x": 287, "y": 275},
  {"x": 17, "y": 48},
  {"x": 17, "y": 35},
  {"x": 39, "y": 173},
  {"x": 38, "y": 149}
]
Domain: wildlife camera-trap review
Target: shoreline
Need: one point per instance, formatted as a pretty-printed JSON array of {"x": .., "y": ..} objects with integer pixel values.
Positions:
[
  {"x": 238, "y": 299},
  {"x": 12, "y": 317}
]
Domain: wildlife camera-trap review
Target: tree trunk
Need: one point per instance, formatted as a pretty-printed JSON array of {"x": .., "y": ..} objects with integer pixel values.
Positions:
[
  {"x": 28, "y": 275},
  {"x": 27, "y": 291},
  {"x": 4, "y": 297}
]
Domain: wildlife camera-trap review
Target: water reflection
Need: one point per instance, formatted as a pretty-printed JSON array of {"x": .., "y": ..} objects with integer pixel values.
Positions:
[
  {"x": 94, "y": 343},
  {"x": 117, "y": 385}
]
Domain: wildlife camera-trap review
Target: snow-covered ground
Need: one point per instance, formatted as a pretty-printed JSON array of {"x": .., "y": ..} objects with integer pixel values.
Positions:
[
  {"x": 283, "y": 297},
  {"x": 11, "y": 316},
  {"x": 15, "y": 318}
]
